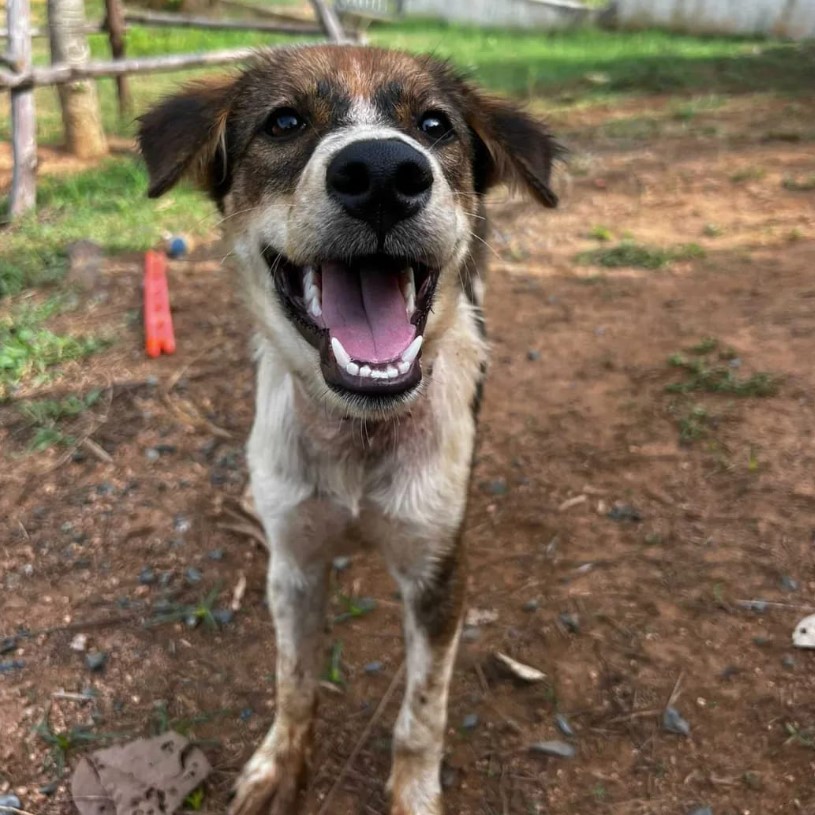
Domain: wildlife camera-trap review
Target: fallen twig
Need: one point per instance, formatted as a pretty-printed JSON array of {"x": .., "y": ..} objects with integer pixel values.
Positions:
[{"x": 380, "y": 709}]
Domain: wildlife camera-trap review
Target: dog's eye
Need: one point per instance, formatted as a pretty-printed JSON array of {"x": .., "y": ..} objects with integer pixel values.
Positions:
[
  {"x": 435, "y": 125},
  {"x": 284, "y": 122}
]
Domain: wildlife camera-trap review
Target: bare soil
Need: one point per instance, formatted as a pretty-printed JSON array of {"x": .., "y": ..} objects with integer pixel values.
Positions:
[{"x": 577, "y": 424}]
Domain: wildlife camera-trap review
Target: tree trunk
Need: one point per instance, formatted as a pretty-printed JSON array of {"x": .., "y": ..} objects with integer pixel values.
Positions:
[{"x": 81, "y": 116}]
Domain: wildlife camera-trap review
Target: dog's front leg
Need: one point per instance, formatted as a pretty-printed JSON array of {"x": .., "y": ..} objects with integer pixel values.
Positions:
[
  {"x": 272, "y": 778},
  {"x": 433, "y": 596}
]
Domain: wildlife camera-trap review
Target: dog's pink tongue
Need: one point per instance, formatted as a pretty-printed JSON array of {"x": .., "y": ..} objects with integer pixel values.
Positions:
[{"x": 363, "y": 307}]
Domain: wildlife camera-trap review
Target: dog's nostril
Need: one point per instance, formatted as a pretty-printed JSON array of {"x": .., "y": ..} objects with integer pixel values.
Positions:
[
  {"x": 351, "y": 178},
  {"x": 412, "y": 178}
]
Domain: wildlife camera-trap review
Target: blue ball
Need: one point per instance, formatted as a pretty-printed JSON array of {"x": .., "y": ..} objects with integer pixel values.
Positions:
[{"x": 177, "y": 246}]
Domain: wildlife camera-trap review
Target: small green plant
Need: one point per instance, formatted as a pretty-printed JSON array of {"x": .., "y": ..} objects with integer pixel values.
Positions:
[
  {"x": 45, "y": 416},
  {"x": 601, "y": 233},
  {"x": 748, "y": 174},
  {"x": 195, "y": 800},
  {"x": 333, "y": 673},
  {"x": 700, "y": 376},
  {"x": 805, "y": 184},
  {"x": 693, "y": 424},
  {"x": 798, "y": 735},
  {"x": 354, "y": 607},
  {"x": 29, "y": 349},
  {"x": 628, "y": 253},
  {"x": 704, "y": 346},
  {"x": 712, "y": 231},
  {"x": 193, "y": 613},
  {"x": 62, "y": 742}
]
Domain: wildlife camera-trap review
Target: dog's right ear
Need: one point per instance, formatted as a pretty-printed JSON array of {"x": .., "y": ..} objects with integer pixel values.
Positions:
[{"x": 185, "y": 135}]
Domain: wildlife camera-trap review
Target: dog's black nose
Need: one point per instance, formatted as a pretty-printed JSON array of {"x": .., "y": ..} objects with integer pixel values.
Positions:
[{"x": 380, "y": 181}]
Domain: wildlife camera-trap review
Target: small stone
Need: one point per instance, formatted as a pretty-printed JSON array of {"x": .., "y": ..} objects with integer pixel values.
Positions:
[
  {"x": 762, "y": 642},
  {"x": 470, "y": 721},
  {"x": 341, "y": 563},
  {"x": 11, "y": 801},
  {"x": 147, "y": 576},
  {"x": 471, "y": 633},
  {"x": 95, "y": 661},
  {"x": 192, "y": 620},
  {"x": 788, "y": 662},
  {"x": 701, "y": 811},
  {"x": 531, "y": 605},
  {"x": 182, "y": 524},
  {"x": 497, "y": 486},
  {"x": 216, "y": 554},
  {"x": 223, "y": 616},
  {"x": 79, "y": 643},
  {"x": 246, "y": 714},
  {"x": 193, "y": 575},
  {"x": 151, "y": 454},
  {"x": 563, "y": 725},
  {"x": 624, "y": 512},
  {"x": 730, "y": 672},
  {"x": 673, "y": 722},
  {"x": 757, "y": 606},
  {"x": 789, "y": 583},
  {"x": 8, "y": 644},
  {"x": 374, "y": 667},
  {"x": 533, "y": 356},
  {"x": 571, "y": 622},
  {"x": 50, "y": 788},
  {"x": 558, "y": 749},
  {"x": 9, "y": 665}
]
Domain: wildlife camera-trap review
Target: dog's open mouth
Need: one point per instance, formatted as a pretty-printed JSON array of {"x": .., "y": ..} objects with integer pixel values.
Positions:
[{"x": 365, "y": 316}]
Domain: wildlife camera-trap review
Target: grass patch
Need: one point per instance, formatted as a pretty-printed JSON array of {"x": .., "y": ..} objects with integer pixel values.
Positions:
[
  {"x": 805, "y": 184},
  {"x": 701, "y": 376},
  {"x": 107, "y": 205},
  {"x": 601, "y": 233},
  {"x": 693, "y": 423},
  {"x": 29, "y": 349},
  {"x": 629, "y": 254},
  {"x": 62, "y": 743},
  {"x": 748, "y": 174},
  {"x": 47, "y": 415}
]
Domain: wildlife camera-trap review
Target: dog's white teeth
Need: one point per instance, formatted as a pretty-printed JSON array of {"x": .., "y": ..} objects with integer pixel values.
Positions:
[
  {"x": 340, "y": 354},
  {"x": 352, "y": 368},
  {"x": 403, "y": 367},
  {"x": 312, "y": 293},
  {"x": 392, "y": 372},
  {"x": 378, "y": 373},
  {"x": 365, "y": 370},
  {"x": 409, "y": 291},
  {"x": 412, "y": 351}
]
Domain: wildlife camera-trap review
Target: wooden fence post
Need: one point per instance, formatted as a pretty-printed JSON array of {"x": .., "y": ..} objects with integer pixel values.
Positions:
[
  {"x": 115, "y": 25},
  {"x": 23, "y": 120}
]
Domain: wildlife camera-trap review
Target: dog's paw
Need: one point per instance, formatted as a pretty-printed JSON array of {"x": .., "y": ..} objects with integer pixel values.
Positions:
[
  {"x": 415, "y": 793},
  {"x": 269, "y": 785}
]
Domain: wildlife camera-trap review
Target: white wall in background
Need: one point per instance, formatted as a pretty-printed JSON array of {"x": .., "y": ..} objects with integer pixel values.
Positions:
[
  {"x": 778, "y": 18},
  {"x": 536, "y": 14}
]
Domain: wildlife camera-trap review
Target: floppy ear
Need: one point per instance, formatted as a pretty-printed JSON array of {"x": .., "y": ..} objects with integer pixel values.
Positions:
[
  {"x": 511, "y": 146},
  {"x": 185, "y": 134}
]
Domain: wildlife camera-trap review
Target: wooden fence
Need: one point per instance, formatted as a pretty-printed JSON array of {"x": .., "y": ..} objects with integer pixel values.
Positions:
[{"x": 19, "y": 76}]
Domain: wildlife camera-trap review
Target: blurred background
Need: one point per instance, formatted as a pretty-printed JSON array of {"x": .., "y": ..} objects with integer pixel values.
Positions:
[{"x": 642, "y": 514}]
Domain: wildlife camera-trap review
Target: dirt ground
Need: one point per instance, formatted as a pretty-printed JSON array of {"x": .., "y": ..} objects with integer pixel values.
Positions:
[{"x": 621, "y": 533}]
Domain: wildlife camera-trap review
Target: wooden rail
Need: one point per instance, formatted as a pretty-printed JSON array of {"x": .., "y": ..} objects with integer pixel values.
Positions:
[{"x": 20, "y": 77}]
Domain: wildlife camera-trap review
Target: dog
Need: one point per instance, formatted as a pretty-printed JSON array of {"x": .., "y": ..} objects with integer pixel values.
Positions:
[{"x": 351, "y": 181}]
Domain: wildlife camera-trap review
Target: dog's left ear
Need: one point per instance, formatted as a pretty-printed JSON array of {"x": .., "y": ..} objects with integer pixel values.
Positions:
[
  {"x": 185, "y": 134},
  {"x": 511, "y": 147}
]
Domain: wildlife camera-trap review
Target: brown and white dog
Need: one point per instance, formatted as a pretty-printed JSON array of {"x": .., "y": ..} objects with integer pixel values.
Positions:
[{"x": 352, "y": 183}]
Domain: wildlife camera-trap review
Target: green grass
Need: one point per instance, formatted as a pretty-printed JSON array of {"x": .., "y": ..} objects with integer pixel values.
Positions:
[
  {"x": 805, "y": 184},
  {"x": 629, "y": 254},
  {"x": 699, "y": 375},
  {"x": 29, "y": 349},
  {"x": 46, "y": 417},
  {"x": 106, "y": 205}
]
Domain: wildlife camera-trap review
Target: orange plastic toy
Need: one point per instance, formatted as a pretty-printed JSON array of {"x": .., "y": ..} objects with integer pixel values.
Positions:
[{"x": 159, "y": 336}]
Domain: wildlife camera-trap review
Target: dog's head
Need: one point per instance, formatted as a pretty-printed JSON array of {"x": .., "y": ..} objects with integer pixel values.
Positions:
[{"x": 350, "y": 180}]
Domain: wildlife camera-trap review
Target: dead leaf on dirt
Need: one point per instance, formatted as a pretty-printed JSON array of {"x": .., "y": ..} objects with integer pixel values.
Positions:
[
  {"x": 145, "y": 775},
  {"x": 481, "y": 616},
  {"x": 525, "y": 672}
]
